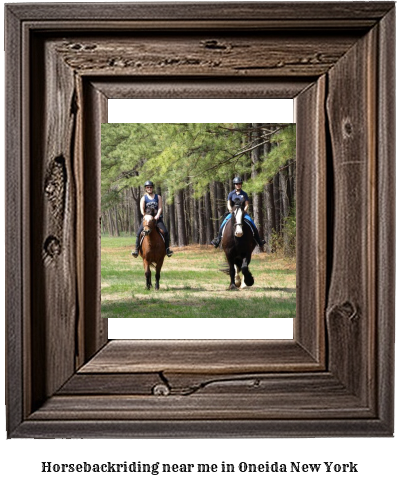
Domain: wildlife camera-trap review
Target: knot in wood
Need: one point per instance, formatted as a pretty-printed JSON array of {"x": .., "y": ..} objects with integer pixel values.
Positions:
[
  {"x": 347, "y": 128},
  {"x": 51, "y": 249},
  {"x": 213, "y": 44},
  {"x": 161, "y": 390}
]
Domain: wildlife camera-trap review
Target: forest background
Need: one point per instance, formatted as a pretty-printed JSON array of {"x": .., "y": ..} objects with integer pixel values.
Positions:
[{"x": 192, "y": 166}]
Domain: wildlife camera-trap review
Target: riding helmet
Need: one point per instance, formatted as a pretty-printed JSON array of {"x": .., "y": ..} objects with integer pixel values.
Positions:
[
  {"x": 148, "y": 183},
  {"x": 237, "y": 180}
]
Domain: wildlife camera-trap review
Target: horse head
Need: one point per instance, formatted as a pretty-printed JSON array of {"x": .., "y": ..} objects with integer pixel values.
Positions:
[
  {"x": 238, "y": 217},
  {"x": 148, "y": 223}
]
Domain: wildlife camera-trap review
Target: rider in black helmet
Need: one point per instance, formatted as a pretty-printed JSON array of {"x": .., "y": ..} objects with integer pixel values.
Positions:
[
  {"x": 242, "y": 195},
  {"x": 149, "y": 201}
]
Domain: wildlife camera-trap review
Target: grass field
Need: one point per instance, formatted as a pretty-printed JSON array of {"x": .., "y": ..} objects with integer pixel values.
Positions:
[{"x": 192, "y": 286}]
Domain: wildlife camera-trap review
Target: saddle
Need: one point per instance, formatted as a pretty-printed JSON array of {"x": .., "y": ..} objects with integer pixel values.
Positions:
[{"x": 245, "y": 221}]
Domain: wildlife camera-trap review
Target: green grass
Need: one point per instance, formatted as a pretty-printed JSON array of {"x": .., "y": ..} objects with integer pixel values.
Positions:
[{"x": 192, "y": 286}]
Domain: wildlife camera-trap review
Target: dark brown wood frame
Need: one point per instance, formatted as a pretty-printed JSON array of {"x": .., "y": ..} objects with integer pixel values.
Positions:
[{"x": 64, "y": 378}]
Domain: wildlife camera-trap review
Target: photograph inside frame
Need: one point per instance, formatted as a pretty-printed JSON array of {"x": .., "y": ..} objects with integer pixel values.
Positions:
[{"x": 198, "y": 220}]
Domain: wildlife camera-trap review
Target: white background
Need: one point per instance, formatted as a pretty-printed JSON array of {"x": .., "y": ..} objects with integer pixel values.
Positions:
[{"x": 21, "y": 459}]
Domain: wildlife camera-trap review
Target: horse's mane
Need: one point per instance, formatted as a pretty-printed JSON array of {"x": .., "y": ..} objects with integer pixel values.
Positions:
[
  {"x": 150, "y": 211},
  {"x": 238, "y": 202}
]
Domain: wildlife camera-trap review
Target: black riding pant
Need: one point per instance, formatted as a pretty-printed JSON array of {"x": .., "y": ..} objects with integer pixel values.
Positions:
[{"x": 161, "y": 225}]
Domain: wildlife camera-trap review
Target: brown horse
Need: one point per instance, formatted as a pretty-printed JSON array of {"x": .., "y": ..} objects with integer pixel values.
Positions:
[{"x": 152, "y": 250}]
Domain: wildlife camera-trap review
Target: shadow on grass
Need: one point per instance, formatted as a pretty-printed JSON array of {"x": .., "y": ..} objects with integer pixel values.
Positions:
[
  {"x": 282, "y": 307},
  {"x": 184, "y": 288},
  {"x": 282, "y": 289}
]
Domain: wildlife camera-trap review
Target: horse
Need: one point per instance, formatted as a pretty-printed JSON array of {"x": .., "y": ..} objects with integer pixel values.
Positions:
[
  {"x": 152, "y": 249},
  {"x": 238, "y": 244}
]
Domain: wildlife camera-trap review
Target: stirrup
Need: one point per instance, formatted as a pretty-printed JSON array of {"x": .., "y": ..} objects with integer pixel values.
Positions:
[{"x": 169, "y": 252}]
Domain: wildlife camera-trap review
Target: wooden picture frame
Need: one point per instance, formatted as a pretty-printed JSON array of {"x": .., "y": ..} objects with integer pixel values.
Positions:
[{"x": 335, "y": 378}]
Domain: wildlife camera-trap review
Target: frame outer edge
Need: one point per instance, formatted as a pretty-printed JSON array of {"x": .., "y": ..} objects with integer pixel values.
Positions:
[
  {"x": 14, "y": 263},
  {"x": 386, "y": 159},
  {"x": 303, "y": 11}
]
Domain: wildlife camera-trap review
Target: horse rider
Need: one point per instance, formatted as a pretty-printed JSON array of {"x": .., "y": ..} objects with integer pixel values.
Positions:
[
  {"x": 151, "y": 201},
  {"x": 243, "y": 196}
]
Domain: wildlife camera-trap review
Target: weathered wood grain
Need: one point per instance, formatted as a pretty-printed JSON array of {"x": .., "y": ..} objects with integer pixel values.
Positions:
[
  {"x": 305, "y": 13},
  {"x": 351, "y": 307},
  {"x": 200, "y": 356},
  {"x": 174, "y": 88},
  {"x": 184, "y": 384},
  {"x": 311, "y": 219},
  {"x": 241, "y": 55},
  {"x": 15, "y": 236},
  {"x": 53, "y": 245},
  {"x": 136, "y": 384},
  {"x": 190, "y": 428},
  {"x": 95, "y": 329},
  {"x": 385, "y": 245},
  {"x": 214, "y": 401}
]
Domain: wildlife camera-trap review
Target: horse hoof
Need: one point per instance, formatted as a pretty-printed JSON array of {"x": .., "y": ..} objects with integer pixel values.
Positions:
[
  {"x": 233, "y": 287},
  {"x": 249, "y": 281}
]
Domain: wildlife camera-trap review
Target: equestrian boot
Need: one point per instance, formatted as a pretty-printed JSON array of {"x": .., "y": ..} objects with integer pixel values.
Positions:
[
  {"x": 216, "y": 242},
  {"x": 169, "y": 252},
  {"x": 135, "y": 252},
  {"x": 257, "y": 238}
]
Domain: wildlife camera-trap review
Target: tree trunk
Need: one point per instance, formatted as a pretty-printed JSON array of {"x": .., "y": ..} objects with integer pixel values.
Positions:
[
  {"x": 285, "y": 204},
  {"x": 270, "y": 216},
  {"x": 276, "y": 195},
  {"x": 256, "y": 197},
  {"x": 181, "y": 225},
  {"x": 214, "y": 217},
  {"x": 194, "y": 217},
  {"x": 201, "y": 227},
  {"x": 136, "y": 207},
  {"x": 208, "y": 217},
  {"x": 165, "y": 210},
  {"x": 220, "y": 202},
  {"x": 172, "y": 225},
  {"x": 116, "y": 225}
]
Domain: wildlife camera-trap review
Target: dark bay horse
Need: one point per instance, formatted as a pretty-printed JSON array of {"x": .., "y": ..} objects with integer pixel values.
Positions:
[
  {"x": 152, "y": 249},
  {"x": 238, "y": 244}
]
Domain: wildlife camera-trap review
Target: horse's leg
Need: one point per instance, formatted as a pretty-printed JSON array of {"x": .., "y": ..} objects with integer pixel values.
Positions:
[
  {"x": 232, "y": 277},
  {"x": 147, "y": 272},
  {"x": 158, "y": 274},
  {"x": 237, "y": 278},
  {"x": 248, "y": 277}
]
